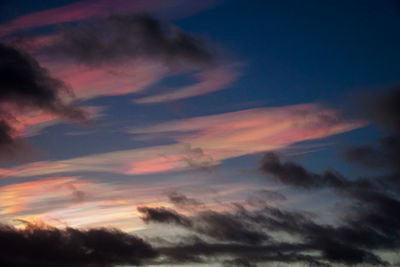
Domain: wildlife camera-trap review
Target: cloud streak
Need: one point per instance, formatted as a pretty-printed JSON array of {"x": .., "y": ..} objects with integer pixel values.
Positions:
[{"x": 219, "y": 137}]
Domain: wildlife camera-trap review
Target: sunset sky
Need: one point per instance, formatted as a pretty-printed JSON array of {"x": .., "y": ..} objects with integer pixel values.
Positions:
[{"x": 199, "y": 133}]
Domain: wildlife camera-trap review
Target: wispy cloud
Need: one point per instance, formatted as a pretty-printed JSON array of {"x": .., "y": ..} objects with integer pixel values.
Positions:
[
  {"x": 250, "y": 131},
  {"x": 208, "y": 81},
  {"x": 205, "y": 141},
  {"x": 29, "y": 196}
]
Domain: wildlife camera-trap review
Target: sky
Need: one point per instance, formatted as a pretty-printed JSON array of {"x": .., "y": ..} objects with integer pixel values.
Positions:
[{"x": 199, "y": 133}]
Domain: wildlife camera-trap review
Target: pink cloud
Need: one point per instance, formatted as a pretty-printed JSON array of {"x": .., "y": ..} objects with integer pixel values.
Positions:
[
  {"x": 205, "y": 141},
  {"x": 209, "y": 80},
  {"x": 85, "y": 9},
  {"x": 249, "y": 131},
  {"x": 87, "y": 82}
]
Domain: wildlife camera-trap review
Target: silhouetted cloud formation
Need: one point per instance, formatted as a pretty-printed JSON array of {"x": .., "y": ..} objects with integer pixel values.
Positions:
[
  {"x": 46, "y": 246},
  {"x": 120, "y": 37},
  {"x": 26, "y": 86},
  {"x": 250, "y": 233},
  {"x": 216, "y": 225},
  {"x": 293, "y": 174},
  {"x": 372, "y": 222},
  {"x": 243, "y": 234}
]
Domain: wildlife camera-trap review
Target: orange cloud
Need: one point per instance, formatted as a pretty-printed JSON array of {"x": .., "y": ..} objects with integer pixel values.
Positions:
[{"x": 23, "y": 196}]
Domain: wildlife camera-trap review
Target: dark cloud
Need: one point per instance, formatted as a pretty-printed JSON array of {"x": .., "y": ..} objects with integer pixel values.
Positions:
[
  {"x": 163, "y": 215},
  {"x": 370, "y": 221},
  {"x": 293, "y": 174},
  {"x": 382, "y": 109},
  {"x": 120, "y": 37},
  {"x": 197, "y": 250},
  {"x": 229, "y": 227},
  {"x": 386, "y": 156},
  {"x": 219, "y": 226},
  {"x": 46, "y": 246},
  {"x": 369, "y": 224},
  {"x": 181, "y": 200},
  {"x": 25, "y": 86}
]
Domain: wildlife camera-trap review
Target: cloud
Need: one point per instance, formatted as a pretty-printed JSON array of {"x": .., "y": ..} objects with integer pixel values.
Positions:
[
  {"x": 117, "y": 38},
  {"x": 370, "y": 221},
  {"x": 387, "y": 155},
  {"x": 209, "y": 81},
  {"x": 127, "y": 54},
  {"x": 238, "y": 133},
  {"x": 28, "y": 86},
  {"x": 212, "y": 139},
  {"x": 215, "y": 225},
  {"x": 32, "y": 196},
  {"x": 181, "y": 200},
  {"x": 163, "y": 215},
  {"x": 47, "y": 246},
  {"x": 382, "y": 108},
  {"x": 293, "y": 174},
  {"x": 244, "y": 234},
  {"x": 86, "y": 9}
]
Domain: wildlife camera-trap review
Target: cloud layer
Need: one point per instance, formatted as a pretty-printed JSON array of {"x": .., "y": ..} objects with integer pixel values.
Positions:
[{"x": 37, "y": 245}]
